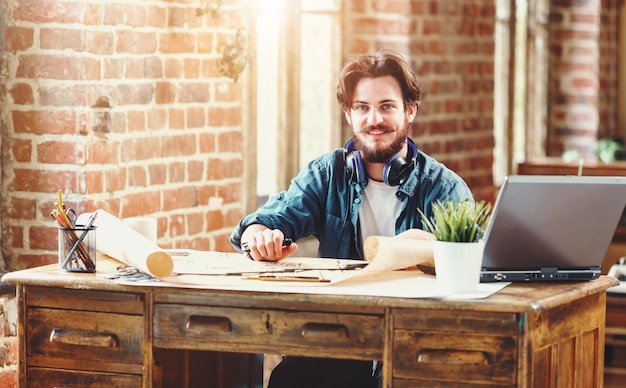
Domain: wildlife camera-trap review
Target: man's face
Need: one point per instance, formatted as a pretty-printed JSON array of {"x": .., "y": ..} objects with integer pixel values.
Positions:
[{"x": 379, "y": 121}]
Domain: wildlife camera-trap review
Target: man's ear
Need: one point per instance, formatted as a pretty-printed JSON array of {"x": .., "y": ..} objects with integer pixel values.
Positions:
[
  {"x": 411, "y": 112},
  {"x": 348, "y": 119}
]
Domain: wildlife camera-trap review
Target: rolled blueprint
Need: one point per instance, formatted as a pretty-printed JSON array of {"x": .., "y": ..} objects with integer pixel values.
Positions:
[
  {"x": 123, "y": 243},
  {"x": 393, "y": 253},
  {"x": 147, "y": 226}
]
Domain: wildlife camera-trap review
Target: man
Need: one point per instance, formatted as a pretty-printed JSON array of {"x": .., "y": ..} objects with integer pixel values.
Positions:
[{"x": 373, "y": 186}]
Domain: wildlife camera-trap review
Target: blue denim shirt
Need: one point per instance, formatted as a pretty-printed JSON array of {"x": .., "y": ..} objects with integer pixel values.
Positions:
[{"x": 321, "y": 201}]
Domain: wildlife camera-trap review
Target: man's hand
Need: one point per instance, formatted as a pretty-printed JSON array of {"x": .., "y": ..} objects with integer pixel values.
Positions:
[{"x": 261, "y": 243}]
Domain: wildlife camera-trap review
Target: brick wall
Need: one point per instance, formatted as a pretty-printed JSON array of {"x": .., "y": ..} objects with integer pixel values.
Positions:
[
  {"x": 123, "y": 107},
  {"x": 583, "y": 75},
  {"x": 451, "y": 45}
]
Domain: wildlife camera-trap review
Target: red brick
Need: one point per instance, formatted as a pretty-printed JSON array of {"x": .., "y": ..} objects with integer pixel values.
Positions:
[
  {"x": 93, "y": 14},
  {"x": 180, "y": 145},
  {"x": 137, "y": 176},
  {"x": 195, "y": 169},
  {"x": 179, "y": 198},
  {"x": 57, "y": 67},
  {"x": 101, "y": 152},
  {"x": 165, "y": 93},
  {"x": 17, "y": 237},
  {"x": 94, "y": 182},
  {"x": 115, "y": 180},
  {"x": 205, "y": 42},
  {"x": 136, "y": 42},
  {"x": 60, "y": 39},
  {"x": 47, "y": 11},
  {"x": 67, "y": 95},
  {"x": 177, "y": 225},
  {"x": 214, "y": 220},
  {"x": 42, "y": 237},
  {"x": 193, "y": 92},
  {"x": 98, "y": 42},
  {"x": 22, "y": 94},
  {"x": 157, "y": 119},
  {"x": 135, "y": 15},
  {"x": 192, "y": 68},
  {"x": 157, "y": 174},
  {"x": 176, "y": 172},
  {"x": 19, "y": 38},
  {"x": 43, "y": 181},
  {"x": 44, "y": 122},
  {"x": 34, "y": 260},
  {"x": 135, "y": 121},
  {"x": 60, "y": 152},
  {"x": 195, "y": 224},
  {"x": 207, "y": 142},
  {"x": 224, "y": 116},
  {"x": 22, "y": 150},
  {"x": 230, "y": 141},
  {"x": 155, "y": 16},
  {"x": 195, "y": 117},
  {"x": 8, "y": 378},
  {"x": 174, "y": 68},
  {"x": 176, "y": 42},
  {"x": 141, "y": 203},
  {"x": 23, "y": 208}
]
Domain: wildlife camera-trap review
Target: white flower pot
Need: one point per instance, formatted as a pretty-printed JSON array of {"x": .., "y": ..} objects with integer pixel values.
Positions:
[{"x": 457, "y": 266}]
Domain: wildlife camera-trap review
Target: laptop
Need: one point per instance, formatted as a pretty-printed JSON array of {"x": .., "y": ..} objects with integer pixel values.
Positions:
[{"x": 552, "y": 228}]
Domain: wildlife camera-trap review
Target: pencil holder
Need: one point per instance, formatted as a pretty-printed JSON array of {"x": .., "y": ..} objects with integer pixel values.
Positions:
[{"x": 77, "y": 249}]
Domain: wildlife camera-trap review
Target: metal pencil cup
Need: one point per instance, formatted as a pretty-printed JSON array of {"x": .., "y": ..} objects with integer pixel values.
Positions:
[{"x": 77, "y": 249}]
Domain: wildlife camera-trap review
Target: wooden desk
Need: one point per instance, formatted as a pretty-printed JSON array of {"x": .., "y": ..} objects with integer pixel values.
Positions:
[{"x": 80, "y": 330}]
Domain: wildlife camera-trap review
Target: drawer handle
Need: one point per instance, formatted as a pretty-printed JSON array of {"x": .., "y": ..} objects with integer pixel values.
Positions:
[
  {"x": 201, "y": 322},
  {"x": 317, "y": 330},
  {"x": 453, "y": 357},
  {"x": 84, "y": 338}
]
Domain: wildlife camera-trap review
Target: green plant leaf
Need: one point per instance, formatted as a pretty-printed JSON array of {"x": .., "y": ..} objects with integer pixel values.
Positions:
[{"x": 463, "y": 221}]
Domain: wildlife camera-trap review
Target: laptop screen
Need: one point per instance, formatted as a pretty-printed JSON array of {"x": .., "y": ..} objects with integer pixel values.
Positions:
[{"x": 560, "y": 226}]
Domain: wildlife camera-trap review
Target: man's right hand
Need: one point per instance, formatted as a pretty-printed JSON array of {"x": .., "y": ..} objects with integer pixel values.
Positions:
[{"x": 262, "y": 243}]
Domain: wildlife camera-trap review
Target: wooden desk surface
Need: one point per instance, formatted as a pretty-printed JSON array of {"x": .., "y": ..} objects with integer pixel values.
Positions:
[
  {"x": 517, "y": 297},
  {"x": 78, "y": 327}
]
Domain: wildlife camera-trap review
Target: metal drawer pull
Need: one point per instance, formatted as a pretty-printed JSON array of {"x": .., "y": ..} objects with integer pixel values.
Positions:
[
  {"x": 454, "y": 357},
  {"x": 325, "y": 330},
  {"x": 84, "y": 338},
  {"x": 201, "y": 322}
]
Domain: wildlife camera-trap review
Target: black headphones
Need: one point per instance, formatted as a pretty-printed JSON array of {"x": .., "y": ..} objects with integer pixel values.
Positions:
[{"x": 396, "y": 170}]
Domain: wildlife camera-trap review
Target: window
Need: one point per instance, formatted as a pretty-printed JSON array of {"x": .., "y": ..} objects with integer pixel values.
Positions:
[{"x": 293, "y": 112}]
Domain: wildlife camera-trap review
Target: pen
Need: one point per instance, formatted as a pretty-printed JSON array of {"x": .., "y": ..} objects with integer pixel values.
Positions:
[{"x": 287, "y": 278}]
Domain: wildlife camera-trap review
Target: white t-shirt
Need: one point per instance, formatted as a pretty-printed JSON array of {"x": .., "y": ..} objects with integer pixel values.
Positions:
[{"x": 379, "y": 211}]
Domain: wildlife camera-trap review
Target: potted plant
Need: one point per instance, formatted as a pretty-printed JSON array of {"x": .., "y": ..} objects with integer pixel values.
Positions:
[{"x": 458, "y": 228}]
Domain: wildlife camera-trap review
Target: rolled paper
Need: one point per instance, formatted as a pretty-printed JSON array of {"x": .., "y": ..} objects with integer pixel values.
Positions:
[
  {"x": 393, "y": 253},
  {"x": 125, "y": 244},
  {"x": 144, "y": 225}
]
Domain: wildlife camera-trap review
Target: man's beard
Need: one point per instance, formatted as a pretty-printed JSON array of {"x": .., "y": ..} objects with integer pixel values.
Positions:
[{"x": 381, "y": 155}]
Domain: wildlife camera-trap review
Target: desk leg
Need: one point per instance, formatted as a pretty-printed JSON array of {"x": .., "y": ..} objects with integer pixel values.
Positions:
[{"x": 388, "y": 350}]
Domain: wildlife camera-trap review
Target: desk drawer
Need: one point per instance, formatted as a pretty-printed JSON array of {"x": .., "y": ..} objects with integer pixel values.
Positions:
[
  {"x": 46, "y": 378},
  {"x": 54, "y": 335},
  {"x": 438, "y": 346},
  {"x": 257, "y": 330}
]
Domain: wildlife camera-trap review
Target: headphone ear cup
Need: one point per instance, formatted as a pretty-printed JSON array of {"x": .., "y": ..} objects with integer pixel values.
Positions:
[
  {"x": 395, "y": 171},
  {"x": 354, "y": 165},
  {"x": 359, "y": 170}
]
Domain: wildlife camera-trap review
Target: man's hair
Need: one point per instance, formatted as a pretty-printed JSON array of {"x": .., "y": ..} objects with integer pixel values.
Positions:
[{"x": 381, "y": 64}]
